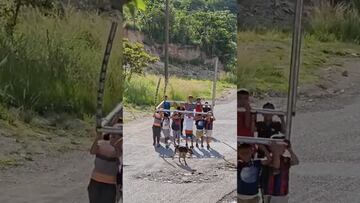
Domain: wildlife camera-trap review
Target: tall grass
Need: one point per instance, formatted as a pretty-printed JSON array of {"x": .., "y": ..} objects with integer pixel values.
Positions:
[
  {"x": 53, "y": 63},
  {"x": 141, "y": 89},
  {"x": 340, "y": 22},
  {"x": 264, "y": 59}
]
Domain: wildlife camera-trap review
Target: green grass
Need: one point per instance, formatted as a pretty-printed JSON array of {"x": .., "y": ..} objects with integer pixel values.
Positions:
[
  {"x": 141, "y": 90},
  {"x": 8, "y": 162},
  {"x": 264, "y": 59},
  {"x": 53, "y": 64}
]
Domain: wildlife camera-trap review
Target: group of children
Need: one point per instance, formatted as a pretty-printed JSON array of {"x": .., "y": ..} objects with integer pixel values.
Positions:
[
  {"x": 263, "y": 170},
  {"x": 177, "y": 122}
]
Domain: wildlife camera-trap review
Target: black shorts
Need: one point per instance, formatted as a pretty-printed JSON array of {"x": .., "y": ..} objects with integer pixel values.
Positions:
[{"x": 101, "y": 192}]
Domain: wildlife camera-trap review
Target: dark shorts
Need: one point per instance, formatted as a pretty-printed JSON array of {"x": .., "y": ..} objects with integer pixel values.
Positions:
[
  {"x": 101, "y": 192},
  {"x": 189, "y": 134},
  {"x": 156, "y": 131}
]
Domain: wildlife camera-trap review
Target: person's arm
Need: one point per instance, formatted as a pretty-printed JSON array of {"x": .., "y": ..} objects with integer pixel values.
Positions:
[
  {"x": 253, "y": 121},
  {"x": 276, "y": 155},
  {"x": 118, "y": 148},
  {"x": 248, "y": 116},
  {"x": 283, "y": 127},
  {"x": 265, "y": 150},
  {"x": 94, "y": 147}
]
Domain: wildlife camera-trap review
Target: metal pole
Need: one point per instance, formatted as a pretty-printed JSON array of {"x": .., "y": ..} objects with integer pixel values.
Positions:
[
  {"x": 116, "y": 113},
  {"x": 166, "y": 72},
  {"x": 294, "y": 66},
  {"x": 259, "y": 140},
  {"x": 214, "y": 84}
]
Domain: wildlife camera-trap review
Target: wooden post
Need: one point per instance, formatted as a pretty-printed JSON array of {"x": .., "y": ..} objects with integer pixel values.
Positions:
[
  {"x": 157, "y": 92},
  {"x": 214, "y": 84},
  {"x": 102, "y": 78},
  {"x": 166, "y": 71}
]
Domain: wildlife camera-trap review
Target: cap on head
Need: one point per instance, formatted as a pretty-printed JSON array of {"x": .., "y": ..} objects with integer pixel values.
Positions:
[
  {"x": 268, "y": 106},
  {"x": 243, "y": 91}
]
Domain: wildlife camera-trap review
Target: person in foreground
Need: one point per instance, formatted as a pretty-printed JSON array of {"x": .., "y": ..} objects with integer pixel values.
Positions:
[
  {"x": 275, "y": 179},
  {"x": 103, "y": 183},
  {"x": 248, "y": 174}
]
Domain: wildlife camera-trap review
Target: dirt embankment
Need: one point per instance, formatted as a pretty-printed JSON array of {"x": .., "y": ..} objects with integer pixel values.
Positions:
[{"x": 270, "y": 14}]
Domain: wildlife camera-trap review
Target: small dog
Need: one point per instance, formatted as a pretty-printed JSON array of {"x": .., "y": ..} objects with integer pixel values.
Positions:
[{"x": 182, "y": 151}]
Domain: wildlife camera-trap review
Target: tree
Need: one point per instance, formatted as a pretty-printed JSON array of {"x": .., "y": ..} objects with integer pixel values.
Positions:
[{"x": 135, "y": 58}]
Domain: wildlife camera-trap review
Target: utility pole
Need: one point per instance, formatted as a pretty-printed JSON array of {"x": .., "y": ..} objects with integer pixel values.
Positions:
[
  {"x": 294, "y": 66},
  {"x": 166, "y": 71},
  {"x": 214, "y": 84}
]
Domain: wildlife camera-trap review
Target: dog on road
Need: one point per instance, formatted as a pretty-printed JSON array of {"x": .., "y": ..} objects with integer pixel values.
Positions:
[{"x": 182, "y": 151}]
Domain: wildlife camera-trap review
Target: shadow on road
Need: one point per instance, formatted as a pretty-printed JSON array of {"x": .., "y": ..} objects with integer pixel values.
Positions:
[
  {"x": 214, "y": 140},
  {"x": 204, "y": 153},
  {"x": 215, "y": 153},
  {"x": 166, "y": 161},
  {"x": 163, "y": 152},
  {"x": 186, "y": 167}
]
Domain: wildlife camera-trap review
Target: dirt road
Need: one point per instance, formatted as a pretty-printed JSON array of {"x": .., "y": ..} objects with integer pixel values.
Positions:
[{"x": 152, "y": 176}]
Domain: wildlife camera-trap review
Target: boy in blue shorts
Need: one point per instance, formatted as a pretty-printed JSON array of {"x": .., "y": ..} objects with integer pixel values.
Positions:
[
  {"x": 200, "y": 124},
  {"x": 248, "y": 174}
]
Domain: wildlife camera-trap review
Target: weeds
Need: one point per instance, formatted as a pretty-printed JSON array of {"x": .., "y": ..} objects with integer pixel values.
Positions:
[
  {"x": 53, "y": 63},
  {"x": 340, "y": 22}
]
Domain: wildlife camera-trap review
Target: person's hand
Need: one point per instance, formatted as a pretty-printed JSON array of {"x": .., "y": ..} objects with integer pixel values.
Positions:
[
  {"x": 268, "y": 155},
  {"x": 118, "y": 144},
  {"x": 288, "y": 144},
  {"x": 282, "y": 117}
]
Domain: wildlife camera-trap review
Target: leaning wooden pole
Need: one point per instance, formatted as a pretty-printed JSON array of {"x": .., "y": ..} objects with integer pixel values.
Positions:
[
  {"x": 102, "y": 78},
  {"x": 157, "y": 92}
]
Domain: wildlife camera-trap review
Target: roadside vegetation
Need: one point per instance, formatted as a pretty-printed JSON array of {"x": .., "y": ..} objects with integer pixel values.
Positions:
[{"x": 264, "y": 56}]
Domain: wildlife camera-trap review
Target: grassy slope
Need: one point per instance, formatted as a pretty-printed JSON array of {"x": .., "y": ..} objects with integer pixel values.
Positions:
[{"x": 264, "y": 59}]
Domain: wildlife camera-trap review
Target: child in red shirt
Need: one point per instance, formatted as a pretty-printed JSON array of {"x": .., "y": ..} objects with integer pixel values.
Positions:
[
  {"x": 198, "y": 105},
  {"x": 244, "y": 118}
]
